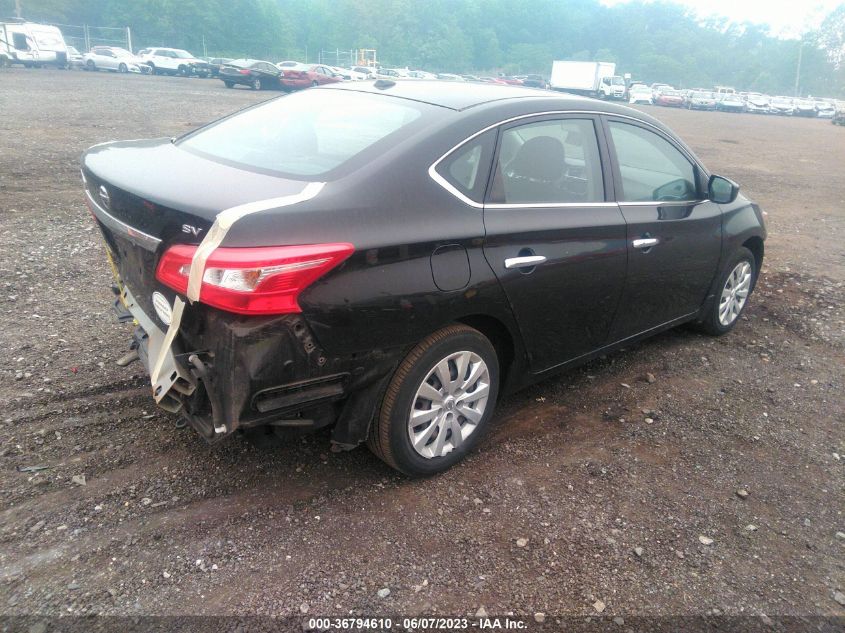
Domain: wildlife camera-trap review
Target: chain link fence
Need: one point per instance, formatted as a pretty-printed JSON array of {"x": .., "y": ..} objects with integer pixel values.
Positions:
[{"x": 83, "y": 36}]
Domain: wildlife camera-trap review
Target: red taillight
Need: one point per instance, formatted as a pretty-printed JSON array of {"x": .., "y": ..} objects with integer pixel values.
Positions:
[
  {"x": 261, "y": 280},
  {"x": 244, "y": 71}
]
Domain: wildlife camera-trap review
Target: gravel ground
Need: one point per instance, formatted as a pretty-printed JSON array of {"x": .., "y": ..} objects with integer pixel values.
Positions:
[{"x": 684, "y": 476}]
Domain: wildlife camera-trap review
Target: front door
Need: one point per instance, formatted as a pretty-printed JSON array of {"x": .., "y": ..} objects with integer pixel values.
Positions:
[
  {"x": 674, "y": 233},
  {"x": 554, "y": 237}
]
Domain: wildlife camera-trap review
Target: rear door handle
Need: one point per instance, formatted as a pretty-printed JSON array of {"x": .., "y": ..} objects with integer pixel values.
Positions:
[
  {"x": 522, "y": 262},
  {"x": 645, "y": 242}
]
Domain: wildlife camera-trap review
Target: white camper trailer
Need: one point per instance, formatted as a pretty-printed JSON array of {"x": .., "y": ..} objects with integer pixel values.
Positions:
[{"x": 31, "y": 44}]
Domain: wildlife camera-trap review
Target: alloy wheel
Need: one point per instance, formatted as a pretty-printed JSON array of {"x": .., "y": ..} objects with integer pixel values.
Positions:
[
  {"x": 735, "y": 293},
  {"x": 449, "y": 404}
]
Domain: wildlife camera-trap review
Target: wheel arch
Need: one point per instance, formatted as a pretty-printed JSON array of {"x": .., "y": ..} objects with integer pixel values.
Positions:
[
  {"x": 503, "y": 340},
  {"x": 755, "y": 244}
]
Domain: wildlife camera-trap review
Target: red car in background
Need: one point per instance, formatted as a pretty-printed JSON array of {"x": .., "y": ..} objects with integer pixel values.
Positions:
[
  {"x": 511, "y": 81},
  {"x": 670, "y": 98},
  {"x": 306, "y": 76}
]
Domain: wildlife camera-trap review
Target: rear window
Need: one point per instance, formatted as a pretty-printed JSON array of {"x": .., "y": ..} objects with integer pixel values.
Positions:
[{"x": 305, "y": 134}]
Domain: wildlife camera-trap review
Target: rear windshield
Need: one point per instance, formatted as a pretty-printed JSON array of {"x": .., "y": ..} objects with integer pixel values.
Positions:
[{"x": 305, "y": 134}]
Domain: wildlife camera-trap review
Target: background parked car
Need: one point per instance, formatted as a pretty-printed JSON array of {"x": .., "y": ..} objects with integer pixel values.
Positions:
[
  {"x": 346, "y": 74},
  {"x": 74, "y": 58},
  {"x": 758, "y": 104},
  {"x": 369, "y": 73},
  {"x": 174, "y": 61},
  {"x": 805, "y": 107},
  {"x": 701, "y": 100},
  {"x": 306, "y": 76},
  {"x": 421, "y": 74},
  {"x": 782, "y": 105},
  {"x": 115, "y": 59},
  {"x": 826, "y": 108},
  {"x": 255, "y": 73},
  {"x": 214, "y": 64},
  {"x": 451, "y": 77},
  {"x": 839, "y": 114},
  {"x": 640, "y": 93},
  {"x": 392, "y": 73},
  {"x": 669, "y": 97},
  {"x": 730, "y": 102},
  {"x": 535, "y": 81}
]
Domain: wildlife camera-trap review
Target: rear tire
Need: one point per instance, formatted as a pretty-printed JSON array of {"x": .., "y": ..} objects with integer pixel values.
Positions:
[
  {"x": 711, "y": 322},
  {"x": 123, "y": 68},
  {"x": 229, "y": 84},
  {"x": 454, "y": 349},
  {"x": 256, "y": 84}
]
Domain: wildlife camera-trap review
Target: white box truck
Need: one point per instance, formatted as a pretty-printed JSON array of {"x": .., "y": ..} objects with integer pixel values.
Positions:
[
  {"x": 594, "y": 79},
  {"x": 31, "y": 44}
]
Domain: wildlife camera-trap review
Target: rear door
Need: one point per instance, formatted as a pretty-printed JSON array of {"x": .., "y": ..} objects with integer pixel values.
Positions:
[
  {"x": 554, "y": 237},
  {"x": 674, "y": 234}
]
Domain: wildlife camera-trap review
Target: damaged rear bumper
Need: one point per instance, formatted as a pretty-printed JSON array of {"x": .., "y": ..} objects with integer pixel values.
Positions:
[{"x": 224, "y": 373}]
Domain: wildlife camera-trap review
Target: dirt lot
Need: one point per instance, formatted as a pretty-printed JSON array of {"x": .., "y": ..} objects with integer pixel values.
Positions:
[{"x": 598, "y": 487}]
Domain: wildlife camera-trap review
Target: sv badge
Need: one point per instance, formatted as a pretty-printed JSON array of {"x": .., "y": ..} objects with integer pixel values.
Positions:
[{"x": 191, "y": 230}]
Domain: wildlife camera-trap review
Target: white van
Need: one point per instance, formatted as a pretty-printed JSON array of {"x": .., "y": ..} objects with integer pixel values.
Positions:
[{"x": 31, "y": 44}]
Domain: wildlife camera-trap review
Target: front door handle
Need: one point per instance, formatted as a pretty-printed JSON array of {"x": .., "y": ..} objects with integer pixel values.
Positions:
[
  {"x": 523, "y": 262},
  {"x": 645, "y": 242}
]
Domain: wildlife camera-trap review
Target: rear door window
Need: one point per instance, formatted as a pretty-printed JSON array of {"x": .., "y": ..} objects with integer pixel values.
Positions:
[{"x": 549, "y": 162}]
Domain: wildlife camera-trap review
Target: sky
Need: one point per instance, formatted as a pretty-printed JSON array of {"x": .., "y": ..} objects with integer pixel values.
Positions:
[{"x": 785, "y": 18}]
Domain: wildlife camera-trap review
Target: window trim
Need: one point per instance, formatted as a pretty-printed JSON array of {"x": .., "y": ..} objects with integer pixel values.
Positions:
[
  {"x": 701, "y": 174},
  {"x": 604, "y": 149}
]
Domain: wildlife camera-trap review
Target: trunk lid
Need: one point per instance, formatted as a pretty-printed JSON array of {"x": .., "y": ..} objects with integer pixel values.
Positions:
[{"x": 147, "y": 195}]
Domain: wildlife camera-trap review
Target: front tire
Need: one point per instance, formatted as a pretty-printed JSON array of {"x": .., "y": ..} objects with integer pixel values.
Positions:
[
  {"x": 438, "y": 404},
  {"x": 90, "y": 65},
  {"x": 735, "y": 286},
  {"x": 229, "y": 84}
]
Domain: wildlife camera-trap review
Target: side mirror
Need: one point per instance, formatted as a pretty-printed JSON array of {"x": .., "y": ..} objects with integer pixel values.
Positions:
[{"x": 722, "y": 190}]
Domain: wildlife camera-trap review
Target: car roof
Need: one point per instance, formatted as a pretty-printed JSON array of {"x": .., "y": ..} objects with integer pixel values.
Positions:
[{"x": 459, "y": 96}]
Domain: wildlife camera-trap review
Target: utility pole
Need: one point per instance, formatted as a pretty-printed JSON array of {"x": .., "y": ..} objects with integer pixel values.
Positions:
[
  {"x": 18, "y": 10},
  {"x": 798, "y": 71}
]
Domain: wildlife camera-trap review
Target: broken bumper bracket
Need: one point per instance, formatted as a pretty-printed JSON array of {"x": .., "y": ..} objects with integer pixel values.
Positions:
[{"x": 149, "y": 340}]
